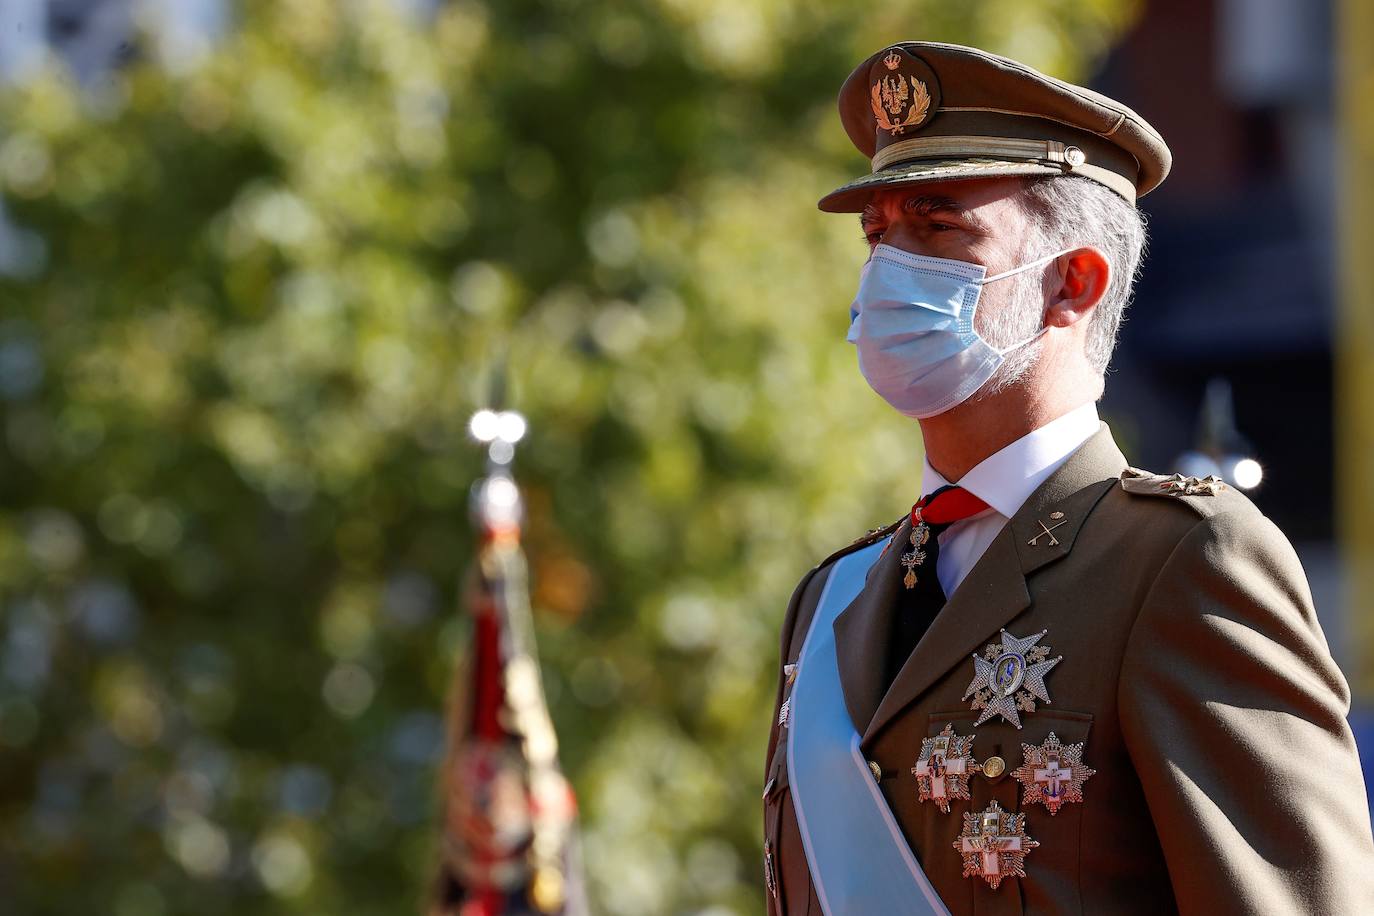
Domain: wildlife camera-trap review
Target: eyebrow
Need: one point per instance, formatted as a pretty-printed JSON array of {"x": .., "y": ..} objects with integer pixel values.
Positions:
[{"x": 925, "y": 205}]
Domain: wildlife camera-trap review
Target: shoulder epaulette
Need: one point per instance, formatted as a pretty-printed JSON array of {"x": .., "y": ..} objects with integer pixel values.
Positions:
[
  {"x": 871, "y": 537},
  {"x": 874, "y": 534},
  {"x": 1205, "y": 495},
  {"x": 1134, "y": 480}
]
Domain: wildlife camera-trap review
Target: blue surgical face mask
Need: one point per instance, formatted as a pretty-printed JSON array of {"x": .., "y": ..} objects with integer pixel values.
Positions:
[{"x": 912, "y": 323}]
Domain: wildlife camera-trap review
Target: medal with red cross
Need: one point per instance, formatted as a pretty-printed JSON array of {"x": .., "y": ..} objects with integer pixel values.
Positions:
[
  {"x": 943, "y": 769},
  {"x": 1052, "y": 774},
  {"x": 994, "y": 845}
]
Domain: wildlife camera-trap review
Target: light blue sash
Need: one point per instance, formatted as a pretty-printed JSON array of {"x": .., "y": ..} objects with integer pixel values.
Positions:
[{"x": 860, "y": 862}]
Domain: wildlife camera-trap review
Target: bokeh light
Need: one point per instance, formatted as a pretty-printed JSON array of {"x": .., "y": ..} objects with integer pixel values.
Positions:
[{"x": 1247, "y": 473}]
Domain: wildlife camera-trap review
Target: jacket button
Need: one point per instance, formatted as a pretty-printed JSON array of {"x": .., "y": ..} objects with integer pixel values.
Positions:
[{"x": 994, "y": 767}]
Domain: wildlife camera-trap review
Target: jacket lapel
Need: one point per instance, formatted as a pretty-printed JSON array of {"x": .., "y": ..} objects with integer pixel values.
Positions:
[
  {"x": 861, "y": 631},
  {"x": 995, "y": 590}
]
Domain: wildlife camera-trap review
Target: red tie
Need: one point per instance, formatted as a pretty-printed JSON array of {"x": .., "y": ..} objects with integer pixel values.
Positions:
[
  {"x": 931, "y": 515},
  {"x": 945, "y": 506},
  {"x": 922, "y": 599}
]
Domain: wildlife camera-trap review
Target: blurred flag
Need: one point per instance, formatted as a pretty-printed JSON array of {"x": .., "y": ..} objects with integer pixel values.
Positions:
[{"x": 508, "y": 845}]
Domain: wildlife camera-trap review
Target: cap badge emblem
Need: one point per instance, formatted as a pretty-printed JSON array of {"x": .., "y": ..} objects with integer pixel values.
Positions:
[
  {"x": 1052, "y": 774},
  {"x": 943, "y": 769},
  {"x": 994, "y": 845},
  {"x": 899, "y": 102},
  {"x": 1009, "y": 677}
]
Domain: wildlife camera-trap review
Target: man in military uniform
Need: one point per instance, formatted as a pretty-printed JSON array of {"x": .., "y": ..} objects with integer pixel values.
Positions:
[{"x": 1058, "y": 684}]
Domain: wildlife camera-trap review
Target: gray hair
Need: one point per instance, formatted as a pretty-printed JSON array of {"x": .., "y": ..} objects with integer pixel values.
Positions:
[
  {"x": 1069, "y": 212},
  {"x": 1072, "y": 211}
]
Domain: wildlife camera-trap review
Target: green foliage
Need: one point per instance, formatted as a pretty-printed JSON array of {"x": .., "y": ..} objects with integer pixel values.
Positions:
[{"x": 236, "y": 376}]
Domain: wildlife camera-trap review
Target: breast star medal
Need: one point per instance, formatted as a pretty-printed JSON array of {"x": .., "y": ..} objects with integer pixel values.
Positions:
[
  {"x": 943, "y": 769},
  {"x": 994, "y": 845},
  {"x": 1009, "y": 678},
  {"x": 1052, "y": 774}
]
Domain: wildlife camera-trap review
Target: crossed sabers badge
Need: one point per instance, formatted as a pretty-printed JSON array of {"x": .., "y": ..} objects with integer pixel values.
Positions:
[
  {"x": 1009, "y": 678},
  {"x": 1048, "y": 530},
  {"x": 943, "y": 769}
]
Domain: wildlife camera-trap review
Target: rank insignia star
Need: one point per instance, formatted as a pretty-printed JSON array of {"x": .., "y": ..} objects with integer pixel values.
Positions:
[
  {"x": 1178, "y": 485},
  {"x": 943, "y": 769},
  {"x": 1009, "y": 677},
  {"x": 994, "y": 845},
  {"x": 1052, "y": 774}
]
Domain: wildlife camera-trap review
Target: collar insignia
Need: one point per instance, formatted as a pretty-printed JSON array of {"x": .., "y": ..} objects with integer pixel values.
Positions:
[{"x": 1047, "y": 530}]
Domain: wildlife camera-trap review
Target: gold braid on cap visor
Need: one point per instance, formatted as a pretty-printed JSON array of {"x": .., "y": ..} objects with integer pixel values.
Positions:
[{"x": 1046, "y": 152}]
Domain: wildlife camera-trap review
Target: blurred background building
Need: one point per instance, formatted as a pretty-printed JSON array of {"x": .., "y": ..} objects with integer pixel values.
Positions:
[
  {"x": 1241, "y": 273},
  {"x": 1243, "y": 277},
  {"x": 367, "y": 200}
]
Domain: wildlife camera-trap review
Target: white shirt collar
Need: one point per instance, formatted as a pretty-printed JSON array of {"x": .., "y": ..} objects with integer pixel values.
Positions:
[{"x": 1005, "y": 479}]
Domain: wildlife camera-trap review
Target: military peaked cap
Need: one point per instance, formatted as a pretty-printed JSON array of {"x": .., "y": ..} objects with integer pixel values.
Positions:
[{"x": 923, "y": 111}]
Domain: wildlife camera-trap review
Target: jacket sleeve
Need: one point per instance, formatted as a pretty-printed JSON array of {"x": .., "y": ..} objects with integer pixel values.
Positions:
[{"x": 1234, "y": 715}]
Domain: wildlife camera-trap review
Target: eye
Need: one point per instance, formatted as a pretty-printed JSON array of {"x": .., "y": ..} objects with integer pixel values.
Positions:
[
  {"x": 873, "y": 238},
  {"x": 942, "y": 227}
]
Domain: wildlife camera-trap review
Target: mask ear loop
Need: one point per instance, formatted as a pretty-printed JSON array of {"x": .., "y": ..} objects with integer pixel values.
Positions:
[
  {"x": 1003, "y": 351},
  {"x": 1027, "y": 266}
]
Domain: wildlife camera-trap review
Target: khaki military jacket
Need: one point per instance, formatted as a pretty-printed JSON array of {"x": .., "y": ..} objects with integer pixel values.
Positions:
[{"x": 1193, "y": 671}]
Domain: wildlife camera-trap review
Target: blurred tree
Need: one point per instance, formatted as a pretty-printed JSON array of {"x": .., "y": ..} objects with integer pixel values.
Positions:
[{"x": 255, "y": 302}]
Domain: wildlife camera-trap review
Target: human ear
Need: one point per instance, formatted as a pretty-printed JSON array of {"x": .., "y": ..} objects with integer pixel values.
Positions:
[{"x": 1084, "y": 275}]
